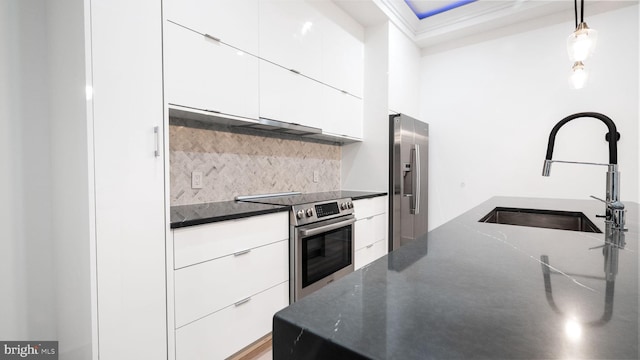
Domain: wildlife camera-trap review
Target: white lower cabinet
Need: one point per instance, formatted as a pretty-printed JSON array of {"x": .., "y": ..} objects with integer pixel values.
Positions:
[
  {"x": 223, "y": 333},
  {"x": 370, "y": 253},
  {"x": 371, "y": 230},
  {"x": 205, "y": 288},
  {"x": 228, "y": 280}
]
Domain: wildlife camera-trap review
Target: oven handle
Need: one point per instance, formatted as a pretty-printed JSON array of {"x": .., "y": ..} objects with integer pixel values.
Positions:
[{"x": 325, "y": 228}]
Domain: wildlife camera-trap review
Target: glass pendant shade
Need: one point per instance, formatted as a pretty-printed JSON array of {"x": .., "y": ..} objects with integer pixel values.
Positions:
[
  {"x": 579, "y": 75},
  {"x": 582, "y": 42}
]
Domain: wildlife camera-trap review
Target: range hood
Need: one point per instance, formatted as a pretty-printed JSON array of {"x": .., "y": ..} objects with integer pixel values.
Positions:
[
  {"x": 283, "y": 127},
  {"x": 265, "y": 124}
]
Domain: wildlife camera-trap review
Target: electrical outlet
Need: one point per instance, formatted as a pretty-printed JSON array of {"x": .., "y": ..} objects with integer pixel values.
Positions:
[
  {"x": 316, "y": 176},
  {"x": 196, "y": 180}
]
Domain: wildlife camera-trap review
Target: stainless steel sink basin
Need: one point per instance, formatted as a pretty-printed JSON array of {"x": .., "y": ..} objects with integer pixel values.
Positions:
[{"x": 550, "y": 219}]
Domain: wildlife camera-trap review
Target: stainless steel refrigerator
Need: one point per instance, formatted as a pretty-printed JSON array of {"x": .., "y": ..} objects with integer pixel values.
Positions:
[{"x": 408, "y": 176}]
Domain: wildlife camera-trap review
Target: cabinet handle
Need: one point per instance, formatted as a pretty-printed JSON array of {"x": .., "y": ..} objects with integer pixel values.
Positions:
[
  {"x": 295, "y": 71},
  {"x": 243, "y": 301},
  {"x": 212, "y": 37},
  {"x": 370, "y": 217},
  {"x": 156, "y": 131},
  {"x": 369, "y": 246},
  {"x": 242, "y": 252},
  {"x": 344, "y": 91}
]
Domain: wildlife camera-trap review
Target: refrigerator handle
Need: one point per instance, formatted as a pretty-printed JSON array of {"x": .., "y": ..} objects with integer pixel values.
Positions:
[{"x": 416, "y": 184}]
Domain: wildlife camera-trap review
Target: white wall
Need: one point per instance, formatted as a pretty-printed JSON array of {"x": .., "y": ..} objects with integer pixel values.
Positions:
[
  {"x": 404, "y": 64},
  {"x": 44, "y": 176},
  {"x": 27, "y": 299},
  {"x": 365, "y": 164},
  {"x": 390, "y": 86},
  {"x": 491, "y": 106},
  {"x": 73, "y": 215}
]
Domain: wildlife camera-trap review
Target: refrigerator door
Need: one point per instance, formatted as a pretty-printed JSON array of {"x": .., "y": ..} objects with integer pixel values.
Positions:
[{"x": 408, "y": 179}]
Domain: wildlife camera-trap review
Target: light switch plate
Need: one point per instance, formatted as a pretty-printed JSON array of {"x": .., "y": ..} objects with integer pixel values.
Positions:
[
  {"x": 316, "y": 176},
  {"x": 196, "y": 180}
]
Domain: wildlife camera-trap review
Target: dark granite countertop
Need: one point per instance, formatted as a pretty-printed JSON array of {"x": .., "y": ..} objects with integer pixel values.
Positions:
[
  {"x": 198, "y": 214},
  {"x": 477, "y": 290},
  {"x": 359, "y": 195}
]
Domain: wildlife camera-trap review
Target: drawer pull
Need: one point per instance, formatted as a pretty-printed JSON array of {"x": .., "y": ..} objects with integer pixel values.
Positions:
[
  {"x": 242, "y": 252},
  {"x": 369, "y": 246},
  {"x": 243, "y": 301},
  {"x": 295, "y": 71},
  {"x": 370, "y": 217},
  {"x": 212, "y": 37}
]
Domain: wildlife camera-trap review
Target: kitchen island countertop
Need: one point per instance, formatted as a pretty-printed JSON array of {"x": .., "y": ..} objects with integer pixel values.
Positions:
[{"x": 479, "y": 290}]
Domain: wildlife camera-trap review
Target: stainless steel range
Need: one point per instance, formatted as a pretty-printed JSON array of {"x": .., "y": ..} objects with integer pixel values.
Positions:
[{"x": 321, "y": 239}]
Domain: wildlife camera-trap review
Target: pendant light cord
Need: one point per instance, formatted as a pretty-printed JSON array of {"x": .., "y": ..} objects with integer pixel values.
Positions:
[
  {"x": 575, "y": 10},
  {"x": 581, "y": 11}
]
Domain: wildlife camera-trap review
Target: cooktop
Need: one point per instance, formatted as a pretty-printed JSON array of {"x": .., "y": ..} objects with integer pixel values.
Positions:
[{"x": 298, "y": 199}]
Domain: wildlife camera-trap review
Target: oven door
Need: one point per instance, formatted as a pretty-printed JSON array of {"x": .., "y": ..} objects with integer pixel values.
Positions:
[{"x": 323, "y": 252}]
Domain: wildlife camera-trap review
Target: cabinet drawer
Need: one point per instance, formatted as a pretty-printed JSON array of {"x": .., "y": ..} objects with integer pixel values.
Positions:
[
  {"x": 367, "y": 207},
  {"x": 229, "y": 330},
  {"x": 370, "y": 230},
  {"x": 370, "y": 253},
  {"x": 200, "y": 243},
  {"x": 208, "y": 287}
]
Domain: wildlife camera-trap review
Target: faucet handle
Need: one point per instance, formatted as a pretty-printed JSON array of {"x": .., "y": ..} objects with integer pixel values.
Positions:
[{"x": 597, "y": 198}]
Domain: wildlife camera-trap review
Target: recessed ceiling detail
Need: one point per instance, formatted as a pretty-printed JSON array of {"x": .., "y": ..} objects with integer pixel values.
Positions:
[{"x": 425, "y": 9}]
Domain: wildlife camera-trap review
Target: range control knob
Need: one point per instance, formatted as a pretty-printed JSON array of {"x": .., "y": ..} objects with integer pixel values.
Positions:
[
  {"x": 300, "y": 214},
  {"x": 350, "y": 205},
  {"x": 343, "y": 206},
  {"x": 309, "y": 212}
]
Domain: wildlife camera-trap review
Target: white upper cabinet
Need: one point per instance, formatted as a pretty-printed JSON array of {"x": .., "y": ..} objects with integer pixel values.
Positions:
[
  {"x": 341, "y": 114},
  {"x": 290, "y": 97},
  {"x": 342, "y": 59},
  {"x": 234, "y": 22},
  {"x": 206, "y": 74},
  {"x": 291, "y": 35}
]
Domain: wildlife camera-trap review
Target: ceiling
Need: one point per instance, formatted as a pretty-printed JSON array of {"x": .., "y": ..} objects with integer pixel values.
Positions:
[{"x": 482, "y": 19}]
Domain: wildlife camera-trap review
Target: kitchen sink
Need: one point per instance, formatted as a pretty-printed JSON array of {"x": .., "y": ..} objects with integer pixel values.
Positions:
[{"x": 550, "y": 219}]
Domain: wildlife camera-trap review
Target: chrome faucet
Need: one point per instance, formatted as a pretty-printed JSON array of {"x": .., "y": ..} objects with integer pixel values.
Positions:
[{"x": 615, "y": 215}]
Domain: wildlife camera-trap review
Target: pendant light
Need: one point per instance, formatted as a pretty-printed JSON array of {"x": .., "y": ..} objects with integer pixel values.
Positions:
[
  {"x": 579, "y": 75},
  {"x": 582, "y": 42},
  {"x": 580, "y": 46}
]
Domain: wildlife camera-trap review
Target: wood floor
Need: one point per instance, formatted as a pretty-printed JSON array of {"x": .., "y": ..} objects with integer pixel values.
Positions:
[{"x": 259, "y": 350}]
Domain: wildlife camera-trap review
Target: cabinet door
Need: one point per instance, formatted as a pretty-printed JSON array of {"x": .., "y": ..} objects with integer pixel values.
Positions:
[
  {"x": 126, "y": 52},
  {"x": 207, "y": 74},
  {"x": 291, "y": 35},
  {"x": 234, "y": 22},
  {"x": 342, "y": 60},
  {"x": 342, "y": 113},
  {"x": 289, "y": 97}
]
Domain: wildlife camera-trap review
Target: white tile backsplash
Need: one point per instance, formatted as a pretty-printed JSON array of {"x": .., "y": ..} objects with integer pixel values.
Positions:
[{"x": 250, "y": 163}]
